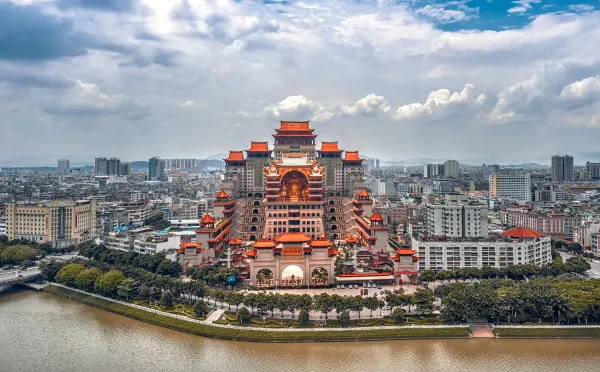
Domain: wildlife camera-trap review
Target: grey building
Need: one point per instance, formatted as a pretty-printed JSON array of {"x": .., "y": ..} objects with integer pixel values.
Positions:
[
  {"x": 63, "y": 165},
  {"x": 125, "y": 169},
  {"x": 101, "y": 167},
  {"x": 451, "y": 169},
  {"x": 488, "y": 170},
  {"x": 562, "y": 168},
  {"x": 156, "y": 169},
  {"x": 433, "y": 170},
  {"x": 593, "y": 170}
]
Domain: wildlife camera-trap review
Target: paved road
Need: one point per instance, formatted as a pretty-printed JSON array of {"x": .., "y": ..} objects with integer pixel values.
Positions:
[
  {"x": 9, "y": 275},
  {"x": 594, "y": 265}
]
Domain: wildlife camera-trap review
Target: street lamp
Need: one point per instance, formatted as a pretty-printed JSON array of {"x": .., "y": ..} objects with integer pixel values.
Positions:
[{"x": 264, "y": 321}]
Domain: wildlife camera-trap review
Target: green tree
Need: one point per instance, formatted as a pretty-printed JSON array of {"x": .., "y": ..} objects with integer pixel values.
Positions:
[
  {"x": 68, "y": 274},
  {"x": 303, "y": 318},
  {"x": 166, "y": 300},
  {"x": 128, "y": 288},
  {"x": 243, "y": 314},
  {"x": 144, "y": 292},
  {"x": 200, "y": 309},
  {"x": 86, "y": 278},
  {"x": 109, "y": 282},
  {"x": 50, "y": 268},
  {"x": 323, "y": 303},
  {"x": 428, "y": 276},
  {"x": 398, "y": 315},
  {"x": 372, "y": 304},
  {"x": 169, "y": 268},
  {"x": 356, "y": 303},
  {"x": 17, "y": 254},
  {"x": 345, "y": 318},
  {"x": 423, "y": 299},
  {"x": 576, "y": 248}
]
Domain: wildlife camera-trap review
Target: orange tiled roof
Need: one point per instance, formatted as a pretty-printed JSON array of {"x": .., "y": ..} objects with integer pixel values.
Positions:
[
  {"x": 190, "y": 245},
  {"x": 264, "y": 243},
  {"x": 222, "y": 195},
  {"x": 521, "y": 232},
  {"x": 332, "y": 251},
  {"x": 409, "y": 252},
  {"x": 295, "y": 126},
  {"x": 207, "y": 219},
  {"x": 376, "y": 217},
  {"x": 258, "y": 147},
  {"x": 235, "y": 241},
  {"x": 322, "y": 242},
  {"x": 292, "y": 237},
  {"x": 352, "y": 155},
  {"x": 364, "y": 193},
  {"x": 330, "y": 147},
  {"x": 351, "y": 239},
  {"x": 235, "y": 156},
  {"x": 251, "y": 253}
]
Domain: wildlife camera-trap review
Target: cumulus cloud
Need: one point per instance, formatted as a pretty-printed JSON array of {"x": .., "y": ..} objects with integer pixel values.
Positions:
[
  {"x": 440, "y": 100},
  {"x": 523, "y": 5},
  {"x": 371, "y": 105},
  {"x": 581, "y": 7},
  {"x": 582, "y": 88},
  {"x": 297, "y": 108},
  {"x": 188, "y": 104}
]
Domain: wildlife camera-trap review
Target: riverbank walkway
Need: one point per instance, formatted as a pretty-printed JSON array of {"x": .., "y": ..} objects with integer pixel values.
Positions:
[{"x": 264, "y": 329}]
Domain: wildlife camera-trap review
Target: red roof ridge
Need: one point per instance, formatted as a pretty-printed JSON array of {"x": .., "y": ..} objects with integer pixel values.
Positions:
[
  {"x": 521, "y": 232},
  {"x": 235, "y": 156},
  {"x": 258, "y": 147},
  {"x": 364, "y": 193},
  {"x": 377, "y": 217},
  {"x": 352, "y": 155},
  {"x": 207, "y": 219},
  {"x": 329, "y": 147},
  {"x": 222, "y": 194},
  {"x": 292, "y": 237}
]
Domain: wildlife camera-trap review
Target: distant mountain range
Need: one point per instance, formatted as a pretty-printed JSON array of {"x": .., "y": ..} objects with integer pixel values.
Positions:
[{"x": 140, "y": 165}]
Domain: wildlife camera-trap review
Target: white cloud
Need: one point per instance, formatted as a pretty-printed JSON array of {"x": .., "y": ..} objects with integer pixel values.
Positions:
[
  {"x": 517, "y": 9},
  {"x": 297, "y": 108},
  {"x": 188, "y": 104},
  {"x": 440, "y": 100},
  {"x": 582, "y": 88},
  {"x": 371, "y": 105},
  {"x": 581, "y": 7},
  {"x": 443, "y": 15}
]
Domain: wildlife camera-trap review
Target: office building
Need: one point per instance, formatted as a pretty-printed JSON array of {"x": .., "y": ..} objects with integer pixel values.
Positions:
[
  {"x": 156, "y": 169},
  {"x": 511, "y": 186},
  {"x": 63, "y": 166},
  {"x": 61, "y": 223},
  {"x": 104, "y": 167},
  {"x": 451, "y": 169},
  {"x": 457, "y": 216},
  {"x": 441, "y": 187},
  {"x": 181, "y": 164},
  {"x": 562, "y": 168}
]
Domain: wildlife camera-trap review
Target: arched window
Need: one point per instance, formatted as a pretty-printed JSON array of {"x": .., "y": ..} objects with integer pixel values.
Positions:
[
  {"x": 255, "y": 211},
  {"x": 255, "y": 219},
  {"x": 331, "y": 210}
]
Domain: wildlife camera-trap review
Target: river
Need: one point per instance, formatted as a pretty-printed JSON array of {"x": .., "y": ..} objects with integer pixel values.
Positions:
[{"x": 41, "y": 332}]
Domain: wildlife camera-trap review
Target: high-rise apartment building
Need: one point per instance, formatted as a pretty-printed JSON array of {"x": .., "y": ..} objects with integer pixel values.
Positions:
[
  {"x": 451, "y": 169},
  {"x": 562, "y": 168},
  {"x": 156, "y": 169},
  {"x": 59, "y": 222},
  {"x": 511, "y": 186},
  {"x": 433, "y": 170},
  {"x": 125, "y": 169},
  {"x": 181, "y": 164},
  {"x": 457, "y": 216},
  {"x": 593, "y": 170},
  {"x": 488, "y": 170},
  {"x": 63, "y": 165},
  {"x": 104, "y": 167}
]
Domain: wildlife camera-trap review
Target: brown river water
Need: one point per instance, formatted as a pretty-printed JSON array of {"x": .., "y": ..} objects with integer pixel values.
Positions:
[{"x": 41, "y": 332}]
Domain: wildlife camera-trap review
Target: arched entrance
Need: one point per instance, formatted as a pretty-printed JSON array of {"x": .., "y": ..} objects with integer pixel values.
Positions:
[
  {"x": 292, "y": 276},
  {"x": 319, "y": 276},
  {"x": 264, "y": 278}
]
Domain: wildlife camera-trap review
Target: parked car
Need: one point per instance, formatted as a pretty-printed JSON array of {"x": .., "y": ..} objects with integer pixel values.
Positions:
[
  {"x": 337, "y": 286},
  {"x": 386, "y": 308},
  {"x": 379, "y": 286}
]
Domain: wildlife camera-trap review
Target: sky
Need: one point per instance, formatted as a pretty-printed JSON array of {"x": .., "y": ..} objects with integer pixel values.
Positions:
[{"x": 511, "y": 81}]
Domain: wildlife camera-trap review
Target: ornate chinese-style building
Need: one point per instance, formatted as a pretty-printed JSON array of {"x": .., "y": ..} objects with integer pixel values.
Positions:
[{"x": 293, "y": 202}]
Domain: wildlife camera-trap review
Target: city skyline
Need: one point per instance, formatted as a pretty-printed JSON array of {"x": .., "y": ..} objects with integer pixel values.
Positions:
[{"x": 399, "y": 80}]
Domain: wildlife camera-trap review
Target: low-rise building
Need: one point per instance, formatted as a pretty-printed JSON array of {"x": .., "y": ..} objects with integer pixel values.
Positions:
[{"x": 517, "y": 246}]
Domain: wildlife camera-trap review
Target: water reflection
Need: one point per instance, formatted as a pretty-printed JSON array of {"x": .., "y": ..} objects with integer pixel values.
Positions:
[{"x": 41, "y": 332}]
